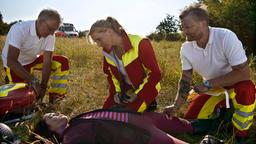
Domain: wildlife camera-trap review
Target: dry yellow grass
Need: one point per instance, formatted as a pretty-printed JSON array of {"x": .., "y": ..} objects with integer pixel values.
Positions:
[{"x": 87, "y": 83}]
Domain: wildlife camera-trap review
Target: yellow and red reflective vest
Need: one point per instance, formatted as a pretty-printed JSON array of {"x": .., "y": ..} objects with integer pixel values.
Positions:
[{"x": 142, "y": 69}]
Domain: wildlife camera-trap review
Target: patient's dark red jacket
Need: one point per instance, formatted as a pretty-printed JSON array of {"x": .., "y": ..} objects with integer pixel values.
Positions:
[{"x": 117, "y": 127}]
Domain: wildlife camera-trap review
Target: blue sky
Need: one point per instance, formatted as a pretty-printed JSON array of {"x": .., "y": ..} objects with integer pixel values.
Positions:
[{"x": 136, "y": 16}]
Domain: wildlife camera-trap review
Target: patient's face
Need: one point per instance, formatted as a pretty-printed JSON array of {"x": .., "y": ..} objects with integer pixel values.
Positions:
[{"x": 56, "y": 121}]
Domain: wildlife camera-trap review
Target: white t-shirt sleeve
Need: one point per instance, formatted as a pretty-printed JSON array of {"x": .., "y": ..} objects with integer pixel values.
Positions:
[
  {"x": 16, "y": 36},
  {"x": 234, "y": 50},
  {"x": 185, "y": 63},
  {"x": 49, "y": 43}
]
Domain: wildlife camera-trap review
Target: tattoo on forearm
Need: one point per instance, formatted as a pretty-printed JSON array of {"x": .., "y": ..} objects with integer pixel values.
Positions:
[{"x": 184, "y": 87}]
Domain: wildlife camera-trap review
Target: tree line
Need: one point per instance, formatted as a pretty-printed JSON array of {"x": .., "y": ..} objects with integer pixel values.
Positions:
[
  {"x": 4, "y": 27},
  {"x": 236, "y": 15}
]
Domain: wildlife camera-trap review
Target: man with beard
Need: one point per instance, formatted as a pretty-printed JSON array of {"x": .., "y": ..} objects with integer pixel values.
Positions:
[{"x": 218, "y": 56}]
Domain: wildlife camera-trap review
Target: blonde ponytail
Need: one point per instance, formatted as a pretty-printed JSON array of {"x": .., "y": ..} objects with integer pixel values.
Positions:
[{"x": 109, "y": 22}]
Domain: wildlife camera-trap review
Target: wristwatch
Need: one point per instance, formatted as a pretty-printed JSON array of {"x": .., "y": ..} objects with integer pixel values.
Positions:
[{"x": 207, "y": 84}]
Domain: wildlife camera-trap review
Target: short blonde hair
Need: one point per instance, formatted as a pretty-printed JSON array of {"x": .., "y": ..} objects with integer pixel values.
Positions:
[{"x": 197, "y": 10}]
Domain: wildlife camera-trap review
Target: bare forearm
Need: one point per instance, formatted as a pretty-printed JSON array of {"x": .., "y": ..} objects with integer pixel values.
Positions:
[
  {"x": 15, "y": 66},
  {"x": 236, "y": 75},
  {"x": 18, "y": 69},
  {"x": 183, "y": 91},
  {"x": 46, "y": 74},
  {"x": 183, "y": 88},
  {"x": 46, "y": 68}
]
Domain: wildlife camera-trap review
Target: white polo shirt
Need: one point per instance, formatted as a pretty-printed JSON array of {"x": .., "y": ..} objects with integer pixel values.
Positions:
[
  {"x": 23, "y": 36},
  {"x": 222, "y": 51}
]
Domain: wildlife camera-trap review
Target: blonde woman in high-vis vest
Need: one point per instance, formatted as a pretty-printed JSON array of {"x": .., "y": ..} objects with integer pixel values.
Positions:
[{"x": 130, "y": 65}]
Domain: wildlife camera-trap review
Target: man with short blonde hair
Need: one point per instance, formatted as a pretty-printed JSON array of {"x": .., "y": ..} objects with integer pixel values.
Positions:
[{"x": 218, "y": 56}]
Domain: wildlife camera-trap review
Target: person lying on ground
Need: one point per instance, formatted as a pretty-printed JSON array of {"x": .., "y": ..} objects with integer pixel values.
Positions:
[{"x": 118, "y": 127}]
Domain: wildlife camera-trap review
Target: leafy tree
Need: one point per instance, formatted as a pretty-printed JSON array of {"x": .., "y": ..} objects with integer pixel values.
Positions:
[
  {"x": 4, "y": 27},
  {"x": 167, "y": 30},
  {"x": 236, "y": 15},
  {"x": 157, "y": 36},
  {"x": 168, "y": 25},
  {"x": 1, "y": 18}
]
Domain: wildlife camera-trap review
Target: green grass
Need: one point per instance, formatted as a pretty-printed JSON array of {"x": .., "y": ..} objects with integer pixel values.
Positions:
[{"x": 88, "y": 85}]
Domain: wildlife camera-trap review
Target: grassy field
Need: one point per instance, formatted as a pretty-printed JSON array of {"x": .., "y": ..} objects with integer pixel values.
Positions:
[{"x": 88, "y": 86}]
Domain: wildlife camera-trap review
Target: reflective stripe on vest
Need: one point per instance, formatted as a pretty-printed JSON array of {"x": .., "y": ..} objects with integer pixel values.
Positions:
[
  {"x": 243, "y": 116},
  {"x": 129, "y": 57}
]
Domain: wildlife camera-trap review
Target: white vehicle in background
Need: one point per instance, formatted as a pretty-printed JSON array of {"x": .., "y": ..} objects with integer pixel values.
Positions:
[{"x": 67, "y": 30}]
